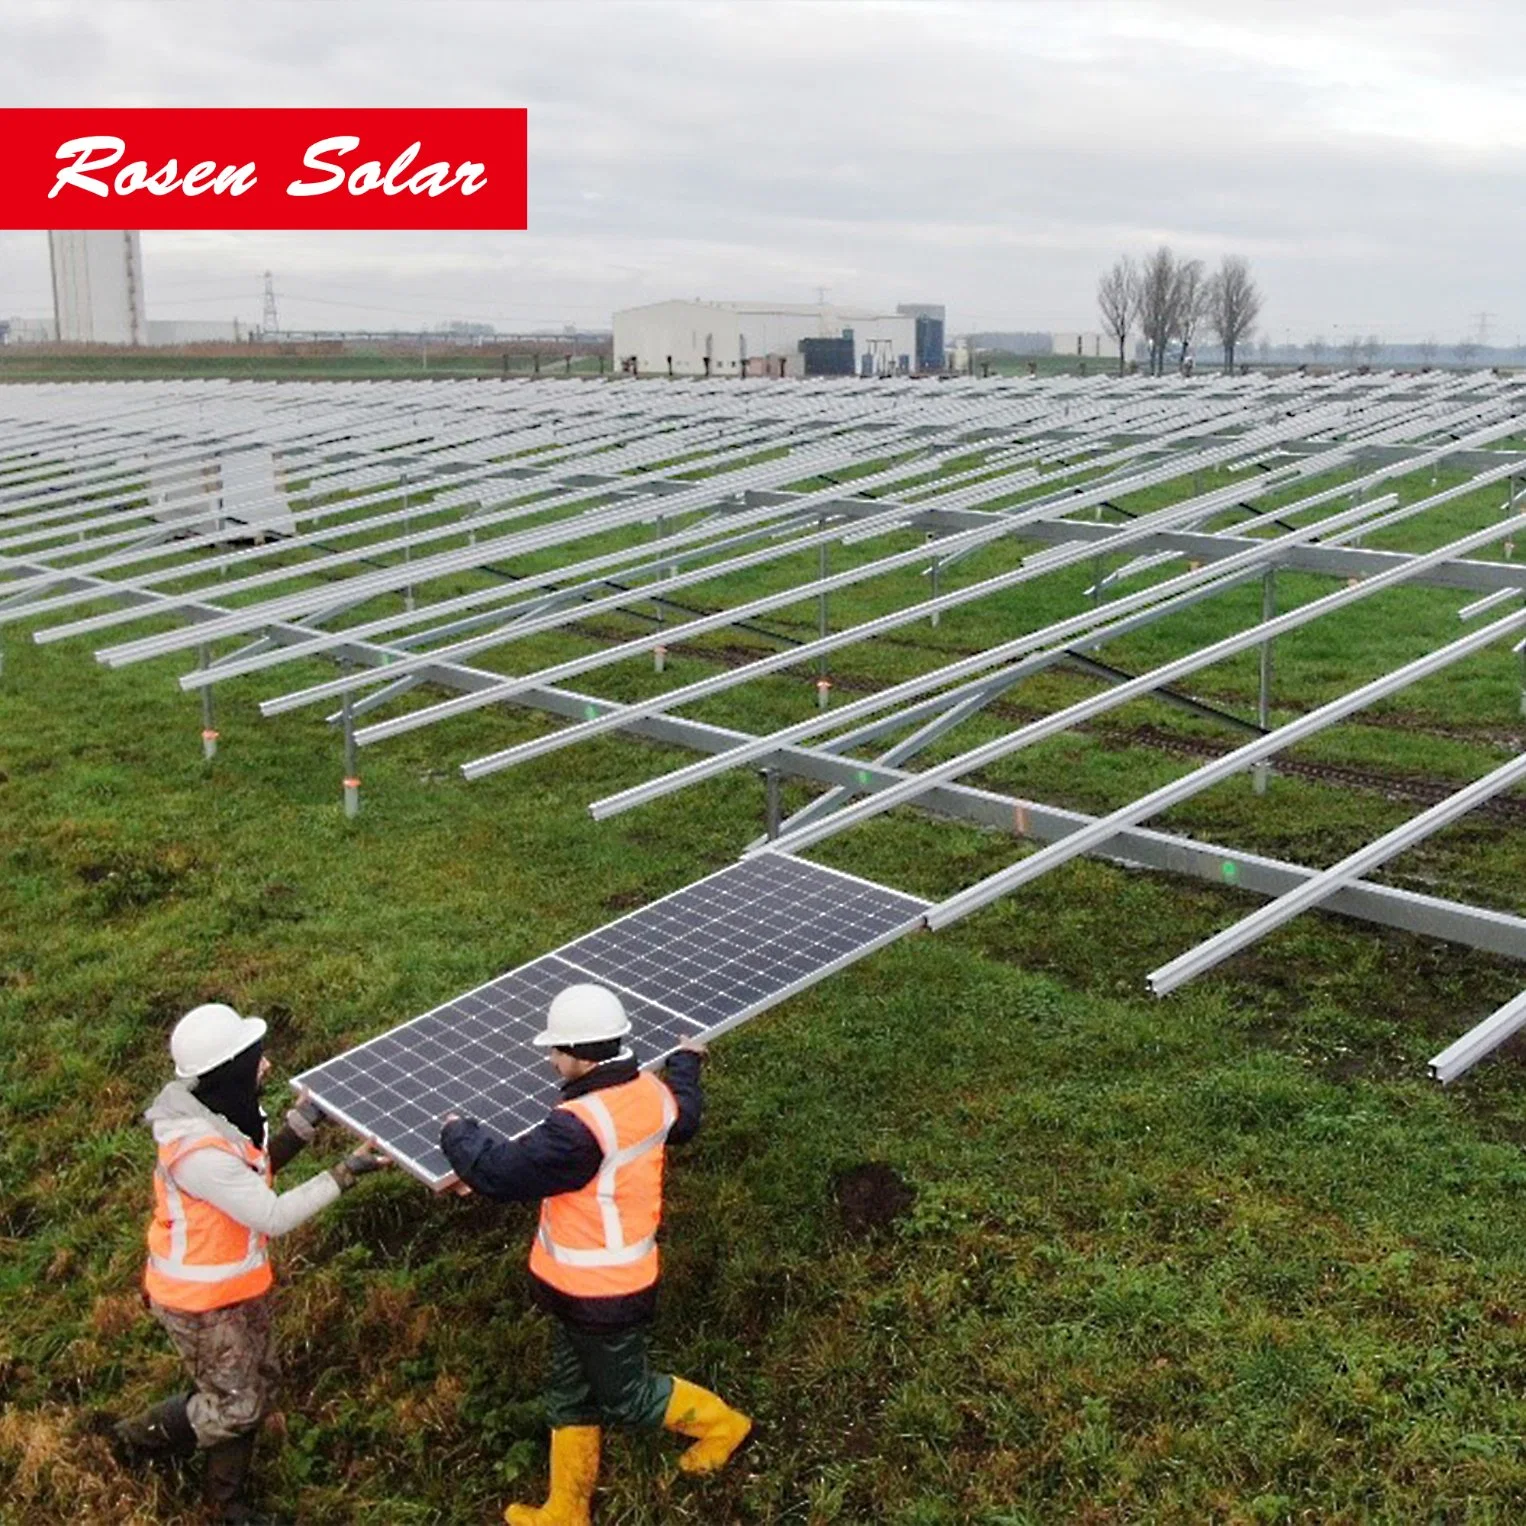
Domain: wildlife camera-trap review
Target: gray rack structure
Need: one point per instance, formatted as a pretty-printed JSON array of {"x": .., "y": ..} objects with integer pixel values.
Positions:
[{"x": 411, "y": 528}]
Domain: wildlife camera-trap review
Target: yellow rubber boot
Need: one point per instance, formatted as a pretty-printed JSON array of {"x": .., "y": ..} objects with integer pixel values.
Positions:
[
  {"x": 717, "y": 1428},
  {"x": 574, "y": 1472}
]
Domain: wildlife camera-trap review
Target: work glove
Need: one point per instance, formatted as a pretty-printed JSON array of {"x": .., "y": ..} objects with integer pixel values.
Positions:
[
  {"x": 304, "y": 1118},
  {"x": 359, "y": 1163},
  {"x": 309, "y": 1110}
]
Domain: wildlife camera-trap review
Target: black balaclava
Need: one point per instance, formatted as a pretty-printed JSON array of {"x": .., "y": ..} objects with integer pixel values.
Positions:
[
  {"x": 233, "y": 1090},
  {"x": 597, "y": 1050}
]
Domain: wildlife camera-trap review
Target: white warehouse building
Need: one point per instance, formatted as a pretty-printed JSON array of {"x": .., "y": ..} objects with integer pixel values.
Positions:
[{"x": 777, "y": 339}]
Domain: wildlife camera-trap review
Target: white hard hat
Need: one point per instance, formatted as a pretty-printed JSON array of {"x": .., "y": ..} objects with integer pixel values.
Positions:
[
  {"x": 209, "y": 1035},
  {"x": 583, "y": 1014}
]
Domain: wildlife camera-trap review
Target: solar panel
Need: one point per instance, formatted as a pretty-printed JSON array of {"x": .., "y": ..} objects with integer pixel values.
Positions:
[{"x": 691, "y": 965}]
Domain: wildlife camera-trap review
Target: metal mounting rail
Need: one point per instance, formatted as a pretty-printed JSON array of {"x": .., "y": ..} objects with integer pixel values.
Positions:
[{"x": 1478, "y": 1043}]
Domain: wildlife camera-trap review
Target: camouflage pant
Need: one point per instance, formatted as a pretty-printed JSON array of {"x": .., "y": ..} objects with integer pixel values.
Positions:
[{"x": 230, "y": 1355}]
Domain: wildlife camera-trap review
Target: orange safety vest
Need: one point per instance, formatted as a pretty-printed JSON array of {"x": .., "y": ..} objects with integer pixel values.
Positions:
[
  {"x": 198, "y": 1257},
  {"x": 601, "y": 1241}
]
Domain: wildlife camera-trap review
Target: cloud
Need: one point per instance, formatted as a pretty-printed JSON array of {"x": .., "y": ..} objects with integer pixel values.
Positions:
[{"x": 1366, "y": 157}]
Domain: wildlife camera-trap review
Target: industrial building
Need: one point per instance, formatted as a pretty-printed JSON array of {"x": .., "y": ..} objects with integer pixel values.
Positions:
[
  {"x": 777, "y": 339},
  {"x": 28, "y": 331},
  {"x": 196, "y": 331},
  {"x": 1088, "y": 344},
  {"x": 97, "y": 287}
]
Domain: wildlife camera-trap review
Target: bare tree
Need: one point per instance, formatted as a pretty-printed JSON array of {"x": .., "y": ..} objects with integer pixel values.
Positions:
[
  {"x": 1118, "y": 302},
  {"x": 1234, "y": 304},
  {"x": 1465, "y": 351},
  {"x": 1316, "y": 348},
  {"x": 1189, "y": 305},
  {"x": 1428, "y": 352},
  {"x": 1156, "y": 310},
  {"x": 1371, "y": 346},
  {"x": 1353, "y": 349}
]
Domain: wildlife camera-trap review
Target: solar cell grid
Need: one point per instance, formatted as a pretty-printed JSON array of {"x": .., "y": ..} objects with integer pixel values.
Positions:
[{"x": 700, "y": 960}]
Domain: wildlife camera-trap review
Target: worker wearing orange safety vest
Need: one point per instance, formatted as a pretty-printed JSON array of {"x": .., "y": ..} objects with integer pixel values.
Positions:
[
  {"x": 208, "y": 1276},
  {"x": 596, "y": 1165}
]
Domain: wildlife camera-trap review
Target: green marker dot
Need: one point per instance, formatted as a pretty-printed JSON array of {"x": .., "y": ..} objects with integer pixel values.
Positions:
[
  {"x": 1230, "y": 870},
  {"x": 590, "y": 712},
  {"x": 863, "y": 776}
]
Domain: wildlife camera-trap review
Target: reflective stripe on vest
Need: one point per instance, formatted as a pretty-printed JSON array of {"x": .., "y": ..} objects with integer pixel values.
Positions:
[
  {"x": 569, "y": 1252},
  {"x": 233, "y": 1264}
]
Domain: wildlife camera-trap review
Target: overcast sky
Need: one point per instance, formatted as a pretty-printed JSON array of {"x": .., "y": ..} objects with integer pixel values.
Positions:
[{"x": 1369, "y": 160}]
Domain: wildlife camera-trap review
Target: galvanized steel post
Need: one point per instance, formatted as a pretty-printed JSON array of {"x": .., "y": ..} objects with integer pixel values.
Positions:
[
  {"x": 823, "y": 682},
  {"x": 208, "y": 730},
  {"x": 351, "y": 780},
  {"x": 659, "y": 653},
  {"x": 1261, "y": 773},
  {"x": 408, "y": 543}
]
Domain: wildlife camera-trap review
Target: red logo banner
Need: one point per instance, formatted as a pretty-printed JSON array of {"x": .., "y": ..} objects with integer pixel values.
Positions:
[{"x": 287, "y": 168}]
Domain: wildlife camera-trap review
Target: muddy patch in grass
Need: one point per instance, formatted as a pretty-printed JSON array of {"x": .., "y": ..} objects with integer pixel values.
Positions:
[
  {"x": 126, "y": 879},
  {"x": 870, "y": 1197}
]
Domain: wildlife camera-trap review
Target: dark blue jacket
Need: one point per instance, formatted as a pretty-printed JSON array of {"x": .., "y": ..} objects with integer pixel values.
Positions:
[{"x": 562, "y": 1155}]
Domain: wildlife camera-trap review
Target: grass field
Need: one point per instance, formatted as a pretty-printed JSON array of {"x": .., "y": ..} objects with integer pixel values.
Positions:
[
  {"x": 295, "y": 362},
  {"x": 1227, "y": 1257}
]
